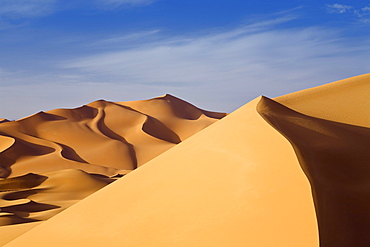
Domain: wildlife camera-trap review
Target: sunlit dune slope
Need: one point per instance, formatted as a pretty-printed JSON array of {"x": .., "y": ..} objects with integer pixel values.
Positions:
[
  {"x": 35, "y": 197},
  {"x": 11, "y": 232},
  {"x": 346, "y": 101},
  {"x": 53, "y": 159},
  {"x": 101, "y": 137},
  {"x": 236, "y": 183}
]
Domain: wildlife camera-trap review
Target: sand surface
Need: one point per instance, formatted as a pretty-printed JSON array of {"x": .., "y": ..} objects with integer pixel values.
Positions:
[
  {"x": 335, "y": 157},
  {"x": 51, "y": 160},
  {"x": 290, "y": 171},
  {"x": 82, "y": 138},
  {"x": 232, "y": 184},
  {"x": 3, "y": 120}
]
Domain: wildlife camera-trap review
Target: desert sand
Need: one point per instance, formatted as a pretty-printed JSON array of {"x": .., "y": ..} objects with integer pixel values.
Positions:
[
  {"x": 3, "y": 120},
  {"x": 289, "y": 171},
  {"x": 51, "y": 160}
]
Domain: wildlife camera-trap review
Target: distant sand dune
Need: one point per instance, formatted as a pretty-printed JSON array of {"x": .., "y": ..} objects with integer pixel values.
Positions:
[
  {"x": 77, "y": 138},
  {"x": 236, "y": 183},
  {"x": 35, "y": 197},
  {"x": 53, "y": 159},
  {"x": 3, "y": 120}
]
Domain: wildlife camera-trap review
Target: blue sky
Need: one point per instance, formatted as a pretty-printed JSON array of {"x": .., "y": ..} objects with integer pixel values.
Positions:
[{"x": 216, "y": 54}]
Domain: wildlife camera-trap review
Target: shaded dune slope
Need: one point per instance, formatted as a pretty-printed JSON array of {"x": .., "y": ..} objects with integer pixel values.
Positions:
[
  {"x": 81, "y": 138},
  {"x": 53, "y": 159},
  {"x": 35, "y": 197},
  {"x": 3, "y": 120},
  {"x": 217, "y": 188},
  {"x": 335, "y": 157}
]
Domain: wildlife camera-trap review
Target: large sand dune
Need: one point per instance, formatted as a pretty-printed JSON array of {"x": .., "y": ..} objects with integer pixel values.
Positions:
[
  {"x": 53, "y": 159},
  {"x": 238, "y": 182},
  {"x": 102, "y": 137},
  {"x": 290, "y": 171}
]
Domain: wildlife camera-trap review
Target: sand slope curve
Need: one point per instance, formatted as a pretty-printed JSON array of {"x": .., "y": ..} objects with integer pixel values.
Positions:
[
  {"x": 236, "y": 183},
  {"x": 79, "y": 138},
  {"x": 53, "y": 159}
]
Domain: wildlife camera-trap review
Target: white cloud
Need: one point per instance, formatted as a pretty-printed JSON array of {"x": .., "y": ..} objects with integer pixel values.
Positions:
[
  {"x": 222, "y": 70},
  {"x": 365, "y": 11},
  {"x": 113, "y": 4},
  {"x": 360, "y": 13},
  {"x": 26, "y": 8},
  {"x": 338, "y": 8},
  {"x": 37, "y": 8}
]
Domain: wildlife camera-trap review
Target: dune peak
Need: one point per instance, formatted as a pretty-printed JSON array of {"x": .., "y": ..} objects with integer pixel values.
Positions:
[{"x": 51, "y": 160}]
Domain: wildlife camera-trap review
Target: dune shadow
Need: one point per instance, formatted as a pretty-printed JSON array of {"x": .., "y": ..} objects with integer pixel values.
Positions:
[
  {"x": 335, "y": 158},
  {"x": 29, "y": 207}
]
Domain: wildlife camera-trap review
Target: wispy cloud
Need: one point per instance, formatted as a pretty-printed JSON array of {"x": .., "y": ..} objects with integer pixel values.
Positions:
[
  {"x": 360, "y": 13},
  {"x": 363, "y": 14},
  {"x": 236, "y": 64},
  {"x": 113, "y": 4},
  {"x": 217, "y": 70},
  {"x": 26, "y": 8},
  {"x": 16, "y": 9},
  {"x": 338, "y": 8}
]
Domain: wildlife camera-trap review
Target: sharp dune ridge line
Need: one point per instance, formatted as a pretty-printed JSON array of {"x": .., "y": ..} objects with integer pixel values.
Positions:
[
  {"x": 290, "y": 171},
  {"x": 77, "y": 138},
  {"x": 53, "y": 159}
]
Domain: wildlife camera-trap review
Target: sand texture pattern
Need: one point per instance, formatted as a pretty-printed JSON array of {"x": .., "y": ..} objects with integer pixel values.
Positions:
[
  {"x": 51, "y": 160},
  {"x": 102, "y": 137}
]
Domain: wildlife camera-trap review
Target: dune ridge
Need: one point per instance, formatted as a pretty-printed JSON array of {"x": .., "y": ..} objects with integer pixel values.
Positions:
[
  {"x": 3, "y": 120},
  {"x": 346, "y": 101},
  {"x": 68, "y": 138},
  {"x": 333, "y": 155},
  {"x": 53, "y": 159},
  {"x": 217, "y": 188},
  {"x": 289, "y": 171}
]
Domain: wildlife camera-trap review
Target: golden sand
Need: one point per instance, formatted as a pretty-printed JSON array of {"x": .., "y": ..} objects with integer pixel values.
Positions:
[{"x": 285, "y": 172}]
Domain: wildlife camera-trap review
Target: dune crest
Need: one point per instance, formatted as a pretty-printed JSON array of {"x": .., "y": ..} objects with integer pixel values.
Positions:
[
  {"x": 3, "y": 120},
  {"x": 77, "y": 138},
  {"x": 217, "y": 188},
  {"x": 53, "y": 159},
  {"x": 334, "y": 157},
  {"x": 346, "y": 101},
  {"x": 290, "y": 171}
]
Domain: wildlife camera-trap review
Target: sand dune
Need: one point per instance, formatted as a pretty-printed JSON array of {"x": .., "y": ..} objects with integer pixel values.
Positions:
[
  {"x": 3, "y": 120},
  {"x": 10, "y": 232},
  {"x": 77, "y": 138},
  {"x": 346, "y": 101},
  {"x": 36, "y": 197},
  {"x": 53, "y": 159},
  {"x": 289, "y": 171},
  {"x": 233, "y": 184},
  {"x": 334, "y": 157}
]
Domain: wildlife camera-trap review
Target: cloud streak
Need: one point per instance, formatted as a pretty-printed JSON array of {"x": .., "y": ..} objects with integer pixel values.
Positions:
[
  {"x": 338, "y": 8},
  {"x": 360, "y": 13},
  {"x": 218, "y": 70},
  {"x": 111, "y": 4},
  {"x": 26, "y": 8},
  {"x": 236, "y": 64},
  {"x": 19, "y": 9}
]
